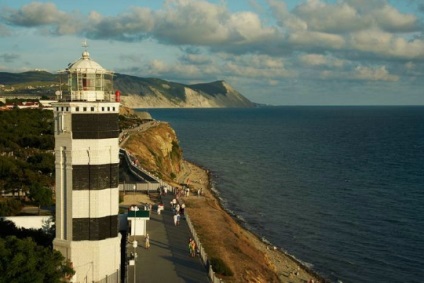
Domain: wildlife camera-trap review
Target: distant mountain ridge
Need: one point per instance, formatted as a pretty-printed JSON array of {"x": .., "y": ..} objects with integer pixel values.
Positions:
[{"x": 137, "y": 92}]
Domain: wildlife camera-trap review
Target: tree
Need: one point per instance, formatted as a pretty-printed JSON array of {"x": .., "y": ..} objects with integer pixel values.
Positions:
[
  {"x": 21, "y": 260},
  {"x": 9, "y": 207},
  {"x": 42, "y": 237},
  {"x": 42, "y": 196}
]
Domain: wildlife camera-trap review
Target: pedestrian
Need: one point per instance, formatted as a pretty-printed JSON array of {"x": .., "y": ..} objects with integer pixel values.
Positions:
[
  {"x": 182, "y": 212},
  {"x": 175, "y": 219},
  {"x": 147, "y": 242},
  {"x": 178, "y": 219},
  {"x": 193, "y": 248},
  {"x": 190, "y": 247},
  {"x": 160, "y": 208}
]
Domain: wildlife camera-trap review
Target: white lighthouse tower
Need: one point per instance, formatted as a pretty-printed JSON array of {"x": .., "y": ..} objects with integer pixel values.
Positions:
[{"x": 87, "y": 164}]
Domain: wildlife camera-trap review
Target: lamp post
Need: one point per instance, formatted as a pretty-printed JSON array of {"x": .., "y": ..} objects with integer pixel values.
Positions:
[
  {"x": 135, "y": 257},
  {"x": 134, "y": 192},
  {"x": 134, "y": 208}
]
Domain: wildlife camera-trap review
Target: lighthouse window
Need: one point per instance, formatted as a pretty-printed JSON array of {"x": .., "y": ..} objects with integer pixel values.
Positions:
[
  {"x": 98, "y": 83},
  {"x": 88, "y": 81},
  {"x": 85, "y": 82}
]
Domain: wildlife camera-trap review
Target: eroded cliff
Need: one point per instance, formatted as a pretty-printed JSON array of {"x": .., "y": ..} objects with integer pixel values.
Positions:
[{"x": 156, "y": 148}]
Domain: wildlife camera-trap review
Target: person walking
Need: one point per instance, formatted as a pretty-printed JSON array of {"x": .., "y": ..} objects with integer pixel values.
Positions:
[
  {"x": 190, "y": 247},
  {"x": 193, "y": 248},
  {"x": 147, "y": 242},
  {"x": 175, "y": 219}
]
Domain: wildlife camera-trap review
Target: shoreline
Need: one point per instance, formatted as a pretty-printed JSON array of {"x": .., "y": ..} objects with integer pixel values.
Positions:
[
  {"x": 286, "y": 267},
  {"x": 215, "y": 192}
]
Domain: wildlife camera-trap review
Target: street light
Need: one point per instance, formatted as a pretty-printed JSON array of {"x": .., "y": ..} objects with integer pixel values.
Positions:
[
  {"x": 135, "y": 256},
  {"x": 134, "y": 192},
  {"x": 134, "y": 208}
]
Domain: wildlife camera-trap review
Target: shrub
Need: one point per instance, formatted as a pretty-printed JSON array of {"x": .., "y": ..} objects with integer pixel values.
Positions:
[
  {"x": 10, "y": 207},
  {"x": 173, "y": 176},
  {"x": 220, "y": 267}
]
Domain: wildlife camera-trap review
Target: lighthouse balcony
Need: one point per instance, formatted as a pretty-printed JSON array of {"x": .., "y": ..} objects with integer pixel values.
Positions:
[{"x": 90, "y": 96}]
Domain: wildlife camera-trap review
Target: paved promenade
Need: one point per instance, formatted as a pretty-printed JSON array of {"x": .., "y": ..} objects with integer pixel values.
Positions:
[{"x": 167, "y": 259}]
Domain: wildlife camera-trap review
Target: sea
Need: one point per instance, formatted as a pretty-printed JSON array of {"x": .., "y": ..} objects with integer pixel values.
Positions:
[{"x": 341, "y": 189}]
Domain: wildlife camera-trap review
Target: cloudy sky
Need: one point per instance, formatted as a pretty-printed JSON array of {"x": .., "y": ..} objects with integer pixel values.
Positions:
[{"x": 278, "y": 52}]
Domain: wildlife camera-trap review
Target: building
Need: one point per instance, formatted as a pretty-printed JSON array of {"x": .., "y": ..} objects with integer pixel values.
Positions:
[
  {"x": 87, "y": 172},
  {"x": 138, "y": 220}
]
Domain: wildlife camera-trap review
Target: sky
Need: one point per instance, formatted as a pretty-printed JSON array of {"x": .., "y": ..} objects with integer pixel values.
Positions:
[{"x": 275, "y": 52}]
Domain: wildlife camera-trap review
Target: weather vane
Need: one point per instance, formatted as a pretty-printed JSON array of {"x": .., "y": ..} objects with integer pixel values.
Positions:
[{"x": 85, "y": 44}]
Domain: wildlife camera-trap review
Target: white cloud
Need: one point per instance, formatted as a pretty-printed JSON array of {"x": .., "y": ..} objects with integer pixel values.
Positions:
[
  {"x": 374, "y": 74},
  {"x": 256, "y": 67},
  {"x": 44, "y": 14},
  {"x": 350, "y": 16},
  {"x": 332, "y": 18},
  {"x": 321, "y": 60},
  {"x": 390, "y": 19},
  {"x": 203, "y": 23},
  {"x": 198, "y": 40},
  {"x": 384, "y": 44},
  {"x": 311, "y": 40},
  {"x": 360, "y": 73}
]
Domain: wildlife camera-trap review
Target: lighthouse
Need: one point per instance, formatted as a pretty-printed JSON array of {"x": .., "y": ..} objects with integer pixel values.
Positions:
[{"x": 86, "y": 134}]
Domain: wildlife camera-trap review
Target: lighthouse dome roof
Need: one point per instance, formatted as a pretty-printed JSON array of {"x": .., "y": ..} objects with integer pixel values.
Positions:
[{"x": 86, "y": 65}]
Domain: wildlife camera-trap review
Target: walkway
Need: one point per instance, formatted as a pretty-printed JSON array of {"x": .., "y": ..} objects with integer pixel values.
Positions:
[{"x": 168, "y": 258}]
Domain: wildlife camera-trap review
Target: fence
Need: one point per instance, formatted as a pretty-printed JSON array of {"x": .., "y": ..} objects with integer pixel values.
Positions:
[
  {"x": 138, "y": 187},
  {"x": 154, "y": 184},
  {"x": 150, "y": 182},
  {"x": 202, "y": 252}
]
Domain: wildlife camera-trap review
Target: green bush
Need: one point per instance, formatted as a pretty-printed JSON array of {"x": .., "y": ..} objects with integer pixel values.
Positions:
[
  {"x": 173, "y": 176},
  {"x": 220, "y": 267},
  {"x": 10, "y": 207}
]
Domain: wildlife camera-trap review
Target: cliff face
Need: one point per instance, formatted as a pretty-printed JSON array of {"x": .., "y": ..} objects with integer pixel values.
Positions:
[
  {"x": 156, "y": 93},
  {"x": 156, "y": 147}
]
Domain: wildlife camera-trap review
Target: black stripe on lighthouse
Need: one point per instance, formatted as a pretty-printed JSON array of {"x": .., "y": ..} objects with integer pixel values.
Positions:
[
  {"x": 95, "y": 229},
  {"x": 95, "y": 126},
  {"x": 95, "y": 177}
]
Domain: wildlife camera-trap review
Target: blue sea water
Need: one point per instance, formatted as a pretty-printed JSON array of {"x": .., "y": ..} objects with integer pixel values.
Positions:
[{"x": 339, "y": 188}]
